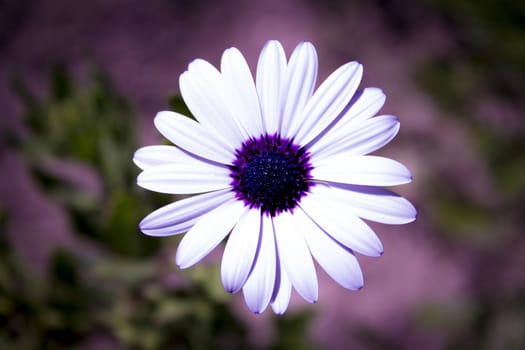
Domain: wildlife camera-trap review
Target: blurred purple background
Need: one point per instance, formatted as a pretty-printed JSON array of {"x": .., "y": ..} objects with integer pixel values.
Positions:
[{"x": 144, "y": 46}]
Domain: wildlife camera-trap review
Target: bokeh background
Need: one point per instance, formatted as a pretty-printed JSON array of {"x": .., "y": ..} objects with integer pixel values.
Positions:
[{"x": 80, "y": 83}]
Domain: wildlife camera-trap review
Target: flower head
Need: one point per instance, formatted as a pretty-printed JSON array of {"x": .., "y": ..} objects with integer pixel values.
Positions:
[{"x": 280, "y": 169}]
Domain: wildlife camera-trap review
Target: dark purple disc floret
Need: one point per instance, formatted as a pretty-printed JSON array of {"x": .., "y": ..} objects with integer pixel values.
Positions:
[{"x": 271, "y": 173}]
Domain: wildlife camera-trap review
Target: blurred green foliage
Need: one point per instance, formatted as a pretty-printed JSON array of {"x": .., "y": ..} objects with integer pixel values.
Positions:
[
  {"x": 491, "y": 51},
  {"x": 488, "y": 322},
  {"x": 488, "y": 64},
  {"x": 94, "y": 127},
  {"x": 477, "y": 82},
  {"x": 115, "y": 288}
]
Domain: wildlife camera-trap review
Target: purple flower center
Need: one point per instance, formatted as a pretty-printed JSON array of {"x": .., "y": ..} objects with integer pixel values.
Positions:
[{"x": 271, "y": 173}]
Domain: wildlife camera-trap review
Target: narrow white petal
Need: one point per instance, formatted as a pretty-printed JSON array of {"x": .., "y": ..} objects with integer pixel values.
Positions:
[
  {"x": 365, "y": 137},
  {"x": 192, "y": 137},
  {"x": 259, "y": 287},
  {"x": 150, "y": 156},
  {"x": 240, "y": 92},
  {"x": 338, "y": 262},
  {"x": 270, "y": 75},
  {"x": 180, "y": 216},
  {"x": 299, "y": 83},
  {"x": 185, "y": 178},
  {"x": 202, "y": 88},
  {"x": 327, "y": 102},
  {"x": 347, "y": 229},
  {"x": 208, "y": 232},
  {"x": 361, "y": 170},
  {"x": 240, "y": 251},
  {"x": 364, "y": 105},
  {"x": 368, "y": 202},
  {"x": 295, "y": 256},
  {"x": 282, "y": 292}
]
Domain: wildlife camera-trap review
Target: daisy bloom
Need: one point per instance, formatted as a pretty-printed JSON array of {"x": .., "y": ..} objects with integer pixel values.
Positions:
[{"x": 278, "y": 168}]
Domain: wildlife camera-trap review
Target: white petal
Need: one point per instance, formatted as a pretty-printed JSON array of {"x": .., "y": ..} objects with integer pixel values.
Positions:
[
  {"x": 202, "y": 88},
  {"x": 282, "y": 292},
  {"x": 298, "y": 86},
  {"x": 270, "y": 75},
  {"x": 338, "y": 262},
  {"x": 240, "y": 251},
  {"x": 240, "y": 92},
  {"x": 361, "y": 170},
  {"x": 192, "y": 137},
  {"x": 185, "y": 178},
  {"x": 365, "y": 104},
  {"x": 150, "y": 156},
  {"x": 365, "y": 137},
  {"x": 345, "y": 228},
  {"x": 327, "y": 102},
  {"x": 180, "y": 216},
  {"x": 295, "y": 256},
  {"x": 370, "y": 203},
  {"x": 208, "y": 232},
  {"x": 259, "y": 287}
]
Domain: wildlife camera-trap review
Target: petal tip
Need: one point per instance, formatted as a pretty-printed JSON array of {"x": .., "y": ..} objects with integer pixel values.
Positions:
[
  {"x": 180, "y": 262},
  {"x": 161, "y": 118},
  {"x": 182, "y": 267},
  {"x": 273, "y": 42},
  {"x": 230, "y": 288},
  {"x": 193, "y": 64},
  {"x": 143, "y": 224},
  {"x": 140, "y": 179},
  {"x": 306, "y": 45},
  {"x": 231, "y": 51}
]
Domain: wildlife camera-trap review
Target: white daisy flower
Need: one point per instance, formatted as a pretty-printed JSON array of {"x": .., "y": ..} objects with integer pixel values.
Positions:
[{"x": 280, "y": 169}]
